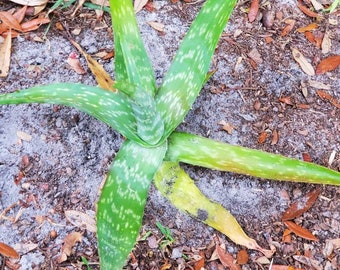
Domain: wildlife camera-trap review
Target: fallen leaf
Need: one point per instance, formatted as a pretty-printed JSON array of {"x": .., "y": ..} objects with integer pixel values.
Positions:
[
  {"x": 242, "y": 257},
  {"x": 301, "y": 205},
  {"x": 324, "y": 95},
  {"x": 157, "y": 26},
  {"x": 81, "y": 220},
  {"x": 316, "y": 5},
  {"x": 25, "y": 248},
  {"x": 73, "y": 61},
  {"x": 306, "y": 157},
  {"x": 139, "y": 4},
  {"x": 69, "y": 242},
  {"x": 326, "y": 44},
  {"x": 226, "y": 259},
  {"x": 7, "y": 251},
  {"x": 307, "y": 11},
  {"x": 284, "y": 267},
  {"x": 19, "y": 15},
  {"x": 262, "y": 260},
  {"x": 300, "y": 231},
  {"x": 253, "y": 10},
  {"x": 228, "y": 127},
  {"x": 288, "y": 28},
  {"x": 24, "y": 136},
  {"x": 256, "y": 56},
  {"x": 34, "y": 24},
  {"x": 287, "y": 237},
  {"x": 319, "y": 85},
  {"x": 328, "y": 64},
  {"x": 275, "y": 137},
  {"x": 102, "y": 77},
  {"x": 199, "y": 264},
  {"x": 286, "y": 100},
  {"x": 10, "y": 20},
  {"x": 331, "y": 244},
  {"x": 262, "y": 137},
  {"x": 5, "y": 55},
  {"x": 302, "y": 61},
  {"x": 309, "y": 27},
  {"x": 30, "y": 2}
]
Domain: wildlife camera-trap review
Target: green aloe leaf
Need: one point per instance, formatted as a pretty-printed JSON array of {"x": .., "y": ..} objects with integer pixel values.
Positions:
[
  {"x": 189, "y": 68},
  {"x": 215, "y": 155},
  {"x": 113, "y": 109},
  {"x": 122, "y": 201},
  {"x": 131, "y": 61},
  {"x": 176, "y": 185}
]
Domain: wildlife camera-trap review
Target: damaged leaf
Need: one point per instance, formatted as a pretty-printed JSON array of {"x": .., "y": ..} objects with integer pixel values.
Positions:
[
  {"x": 69, "y": 242},
  {"x": 226, "y": 259},
  {"x": 297, "y": 208},
  {"x": 81, "y": 220}
]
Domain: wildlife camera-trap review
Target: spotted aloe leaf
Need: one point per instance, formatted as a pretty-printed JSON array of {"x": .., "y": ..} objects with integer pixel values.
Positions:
[
  {"x": 175, "y": 184},
  {"x": 131, "y": 61},
  {"x": 111, "y": 108},
  {"x": 122, "y": 201},
  {"x": 215, "y": 155},
  {"x": 134, "y": 70},
  {"x": 188, "y": 71}
]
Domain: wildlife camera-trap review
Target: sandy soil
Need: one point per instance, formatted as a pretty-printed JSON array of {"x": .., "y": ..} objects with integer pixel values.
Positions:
[{"x": 64, "y": 154}]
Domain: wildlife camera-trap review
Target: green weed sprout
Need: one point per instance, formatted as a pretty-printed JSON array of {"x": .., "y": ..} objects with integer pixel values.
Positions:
[{"x": 147, "y": 115}]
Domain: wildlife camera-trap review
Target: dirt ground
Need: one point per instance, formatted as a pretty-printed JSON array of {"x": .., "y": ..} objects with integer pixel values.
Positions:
[{"x": 54, "y": 158}]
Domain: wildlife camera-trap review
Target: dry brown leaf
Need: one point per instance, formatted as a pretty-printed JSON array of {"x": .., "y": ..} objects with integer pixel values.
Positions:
[
  {"x": 200, "y": 263},
  {"x": 307, "y": 11},
  {"x": 242, "y": 257},
  {"x": 25, "y": 248},
  {"x": 284, "y": 267},
  {"x": 157, "y": 26},
  {"x": 19, "y": 15},
  {"x": 287, "y": 237},
  {"x": 309, "y": 27},
  {"x": 139, "y": 4},
  {"x": 300, "y": 231},
  {"x": 306, "y": 157},
  {"x": 226, "y": 259},
  {"x": 262, "y": 137},
  {"x": 253, "y": 10},
  {"x": 275, "y": 137},
  {"x": 288, "y": 28},
  {"x": 30, "y": 2},
  {"x": 81, "y": 220},
  {"x": 102, "y": 77},
  {"x": 73, "y": 61},
  {"x": 69, "y": 242},
  {"x": 256, "y": 56},
  {"x": 301, "y": 205},
  {"x": 8, "y": 251},
  {"x": 303, "y": 62},
  {"x": 328, "y": 64},
  {"x": 10, "y": 20},
  {"x": 286, "y": 100},
  {"x": 228, "y": 127},
  {"x": 5, "y": 55},
  {"x": 34, "y": 24}
]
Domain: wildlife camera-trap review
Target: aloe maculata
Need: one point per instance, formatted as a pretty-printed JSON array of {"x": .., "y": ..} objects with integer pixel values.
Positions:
[{"x": 147, "y": 116}]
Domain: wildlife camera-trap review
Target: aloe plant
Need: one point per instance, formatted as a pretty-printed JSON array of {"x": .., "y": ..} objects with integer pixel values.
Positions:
[{"x": 147, "y": 115}]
